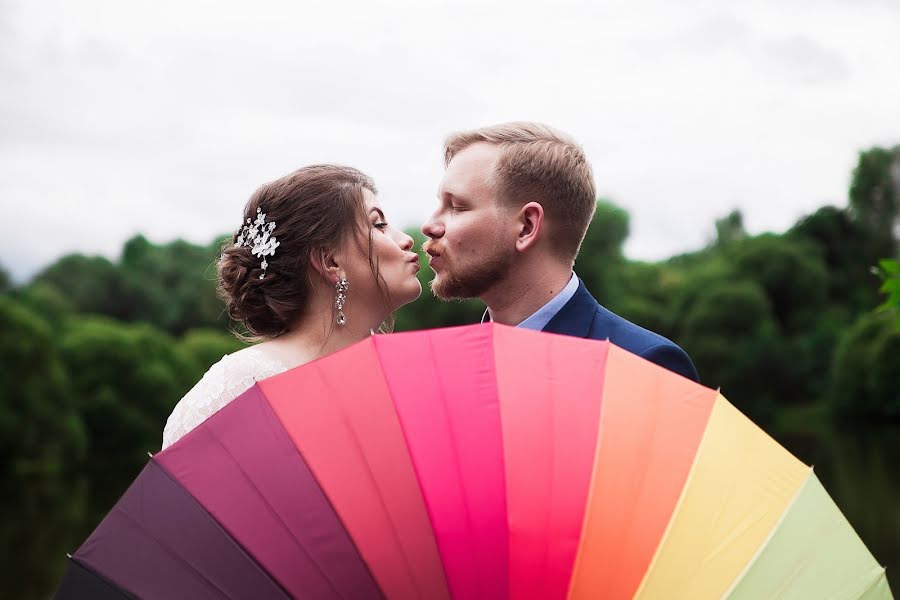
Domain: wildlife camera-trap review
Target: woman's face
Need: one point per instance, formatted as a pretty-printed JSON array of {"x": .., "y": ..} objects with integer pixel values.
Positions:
[{"x": 392, "y": 253}]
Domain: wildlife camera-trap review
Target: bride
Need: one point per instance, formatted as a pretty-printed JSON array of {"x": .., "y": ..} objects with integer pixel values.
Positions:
[{"x": 315, "y": 267}]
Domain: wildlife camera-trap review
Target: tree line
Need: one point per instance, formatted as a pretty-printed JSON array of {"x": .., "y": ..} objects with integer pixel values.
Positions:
[{"x": 94, "y": 353}]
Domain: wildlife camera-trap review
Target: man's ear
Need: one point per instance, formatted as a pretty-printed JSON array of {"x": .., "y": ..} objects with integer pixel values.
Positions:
[
  {"x": 325, "y": 263},
  {"x": 529, "y": 221}
]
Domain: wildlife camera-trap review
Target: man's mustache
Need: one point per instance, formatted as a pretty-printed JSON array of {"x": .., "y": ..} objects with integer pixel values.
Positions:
[{"x": 431, "y": 248}]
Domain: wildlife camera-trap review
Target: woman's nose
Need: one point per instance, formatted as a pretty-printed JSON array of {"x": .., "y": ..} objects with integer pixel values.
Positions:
[{"x": 406, "y": 241}]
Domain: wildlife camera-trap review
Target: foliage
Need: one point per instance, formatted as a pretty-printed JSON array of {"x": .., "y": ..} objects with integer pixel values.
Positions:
[
  {"x": 92, "y": 284},
  {"x": 203, "y": 347},
  {"x": 875, "y": 196},
  {"x": 734, "y": 341},
  {"x": 791, "y": 274},
  {"x": 127, "y": 378},
  {"x": 170, "y": 285},
  {"x": 730, "y": 228},
  {"x": 39, "y": 426},
  {"x": 888, "y": 271},
  {"x": 848, "y": 252},
  {"x": 866, "y": 371},
  {"x": 5, "y": 280},
  {"x": 601, "y": 255}
]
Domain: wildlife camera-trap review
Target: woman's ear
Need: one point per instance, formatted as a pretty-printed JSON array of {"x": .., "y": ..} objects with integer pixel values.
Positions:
[
  {"x": 325, "y": 262},
  {"x": 529, "y": 221}
]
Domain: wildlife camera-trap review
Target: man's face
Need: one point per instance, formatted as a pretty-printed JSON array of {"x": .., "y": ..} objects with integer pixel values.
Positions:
[{"x": 468, "y": 249}]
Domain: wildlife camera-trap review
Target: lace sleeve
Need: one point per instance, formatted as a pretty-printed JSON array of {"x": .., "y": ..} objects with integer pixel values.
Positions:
[{"x": 222, "y": 383}]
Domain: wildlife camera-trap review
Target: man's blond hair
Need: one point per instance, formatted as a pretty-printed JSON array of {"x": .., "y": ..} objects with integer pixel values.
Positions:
[{"x": 539, "y": 164}]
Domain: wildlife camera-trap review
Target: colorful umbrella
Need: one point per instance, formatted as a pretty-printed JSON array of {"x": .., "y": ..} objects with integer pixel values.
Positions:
[{"x": 476, "y": 462}]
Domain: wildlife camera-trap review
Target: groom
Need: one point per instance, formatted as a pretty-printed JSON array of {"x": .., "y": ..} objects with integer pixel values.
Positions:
[{"x": 513, "y": 207}]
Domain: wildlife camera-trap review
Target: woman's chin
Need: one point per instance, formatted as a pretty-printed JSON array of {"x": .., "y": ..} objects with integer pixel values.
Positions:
[{"x": 409, "y": 293}]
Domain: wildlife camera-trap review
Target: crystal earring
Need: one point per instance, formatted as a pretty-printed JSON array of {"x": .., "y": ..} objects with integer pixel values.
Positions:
[{"x": 340, "y": 289}]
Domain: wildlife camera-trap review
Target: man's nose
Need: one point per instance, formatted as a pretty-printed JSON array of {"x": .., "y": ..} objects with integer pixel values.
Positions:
[{"x": 432, "y": 228}]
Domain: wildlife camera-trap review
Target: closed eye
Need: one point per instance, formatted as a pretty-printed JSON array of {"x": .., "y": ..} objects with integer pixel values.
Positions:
[{"x": 380, "y": 225}]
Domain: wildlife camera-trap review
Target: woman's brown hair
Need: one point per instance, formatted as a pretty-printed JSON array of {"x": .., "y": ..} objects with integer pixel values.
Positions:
[{"x": 319, "y": 207}]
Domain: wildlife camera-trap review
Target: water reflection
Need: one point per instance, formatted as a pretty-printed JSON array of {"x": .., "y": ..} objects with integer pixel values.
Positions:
[
  {"x": 43, "y": 519},
  {"x": 859, "y": 469}
]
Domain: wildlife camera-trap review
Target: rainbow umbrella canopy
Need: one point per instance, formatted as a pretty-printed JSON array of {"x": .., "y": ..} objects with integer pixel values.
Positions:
[{"x": 480, "y": 462}]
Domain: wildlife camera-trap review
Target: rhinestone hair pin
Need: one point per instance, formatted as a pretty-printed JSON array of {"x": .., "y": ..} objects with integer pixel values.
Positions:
[{"x": 258, "y": 237}]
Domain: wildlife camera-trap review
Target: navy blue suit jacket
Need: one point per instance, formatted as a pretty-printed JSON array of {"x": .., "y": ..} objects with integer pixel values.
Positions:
[{"x": 582, "y": 316}]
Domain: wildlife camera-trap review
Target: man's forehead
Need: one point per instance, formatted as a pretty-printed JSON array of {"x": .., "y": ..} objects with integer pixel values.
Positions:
[
  {"x": 470, "y": 169},
  {"x": 482, "y": 154}
]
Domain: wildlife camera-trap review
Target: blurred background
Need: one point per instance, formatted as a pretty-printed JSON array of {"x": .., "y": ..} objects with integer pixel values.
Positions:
[{"x": 747, "y": 157}]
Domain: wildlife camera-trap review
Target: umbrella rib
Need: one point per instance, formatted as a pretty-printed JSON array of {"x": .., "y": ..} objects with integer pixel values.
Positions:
[
  {"x": 274, "y": 512},
  {"x": 169, "y": 550},
  {"x": 553, "y": 450},
  {"x": 640, "y": 485},
  {"x": 455, "y": 446},
  {"x": 373, "y": 481},
  {"x": 106, "y": 580},
  {"x": 879, "y": 574}
]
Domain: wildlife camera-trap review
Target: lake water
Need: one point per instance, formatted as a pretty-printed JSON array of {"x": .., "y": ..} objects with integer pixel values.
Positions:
[{"x": 43, "y": 519}]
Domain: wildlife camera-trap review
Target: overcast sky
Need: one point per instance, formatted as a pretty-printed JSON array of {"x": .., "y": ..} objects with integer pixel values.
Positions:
[{"x": 161, "y": 117}]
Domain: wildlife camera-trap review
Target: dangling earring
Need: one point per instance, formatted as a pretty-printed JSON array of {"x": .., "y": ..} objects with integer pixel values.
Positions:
[{"x": 340, "y": 297}]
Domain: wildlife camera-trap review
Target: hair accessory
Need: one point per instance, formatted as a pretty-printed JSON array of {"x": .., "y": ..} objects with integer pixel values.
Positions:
[
  {"x": 257, "y": 235},
  {"x": 340, "y": 296}
]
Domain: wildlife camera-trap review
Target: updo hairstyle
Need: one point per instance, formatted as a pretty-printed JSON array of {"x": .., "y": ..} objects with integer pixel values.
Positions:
[{"x": 319, "y": 207}]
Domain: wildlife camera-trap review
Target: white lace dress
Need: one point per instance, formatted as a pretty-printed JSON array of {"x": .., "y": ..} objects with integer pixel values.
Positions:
[{"x": 222, "y": 383}]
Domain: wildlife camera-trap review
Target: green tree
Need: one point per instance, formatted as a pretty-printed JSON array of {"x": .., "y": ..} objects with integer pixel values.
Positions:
[
  {"x": 601, "y": 256},
  {"x": 875, "y": 196},
  {"x": 733, "y": 339},
  {"x": 5, "y": 280},
  {"x": 176, "y": 284},
  {"x": 792, "y": 275},
  {"x": 39, "y": 426},
  {"x": 127, "y": 379},
  {"x": 170, "y": 285},
  {"x": 702, "y": 273},
  {"x": 866, "y": 371},
  {"x": 889, "y": 272},
  {"x": 730, "y": 228},
  {"x": 845, "y": 247},
  {"x": 203, "y": 347},
  {"x": 644, "y": 293},
  {"x": 46, "y": 300},
  {"x": 92, "y": 284}
]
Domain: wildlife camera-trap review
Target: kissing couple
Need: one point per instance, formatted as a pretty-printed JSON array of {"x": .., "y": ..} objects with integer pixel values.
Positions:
[{"x": 317, "y": 266}]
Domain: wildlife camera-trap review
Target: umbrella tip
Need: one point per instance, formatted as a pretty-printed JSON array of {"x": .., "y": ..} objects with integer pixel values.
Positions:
[
  {"x": 150, "y": 454},
  {"x": 68, "y": 555}
]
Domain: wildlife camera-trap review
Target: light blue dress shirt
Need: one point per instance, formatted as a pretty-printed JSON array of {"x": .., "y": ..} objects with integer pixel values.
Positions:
[{"x": 544, "y": 314}]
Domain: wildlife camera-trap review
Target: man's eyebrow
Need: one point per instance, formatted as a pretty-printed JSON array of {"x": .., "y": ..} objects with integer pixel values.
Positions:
[{"x": 450, "y": 195}]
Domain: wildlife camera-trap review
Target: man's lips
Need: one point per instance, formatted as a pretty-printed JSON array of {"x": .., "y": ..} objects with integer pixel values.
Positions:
[{"x": 434, "y": 255}]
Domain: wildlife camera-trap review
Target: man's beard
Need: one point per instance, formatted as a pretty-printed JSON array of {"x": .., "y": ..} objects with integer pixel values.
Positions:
[{"x": 474, "y": 281}]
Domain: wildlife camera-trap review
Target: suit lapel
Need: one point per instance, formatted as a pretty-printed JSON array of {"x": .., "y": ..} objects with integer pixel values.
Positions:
[{"x": 576, "y": 316}]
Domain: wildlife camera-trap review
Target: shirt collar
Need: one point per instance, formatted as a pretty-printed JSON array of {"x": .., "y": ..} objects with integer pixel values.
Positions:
[{"x": 544, "y": 314}]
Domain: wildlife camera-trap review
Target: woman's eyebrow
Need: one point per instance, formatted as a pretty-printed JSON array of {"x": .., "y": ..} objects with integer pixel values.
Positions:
[{"x": 378, "y": 210}]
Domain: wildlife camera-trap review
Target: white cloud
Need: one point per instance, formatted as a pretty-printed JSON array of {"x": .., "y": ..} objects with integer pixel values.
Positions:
[{"x": 162, "y": 117}]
